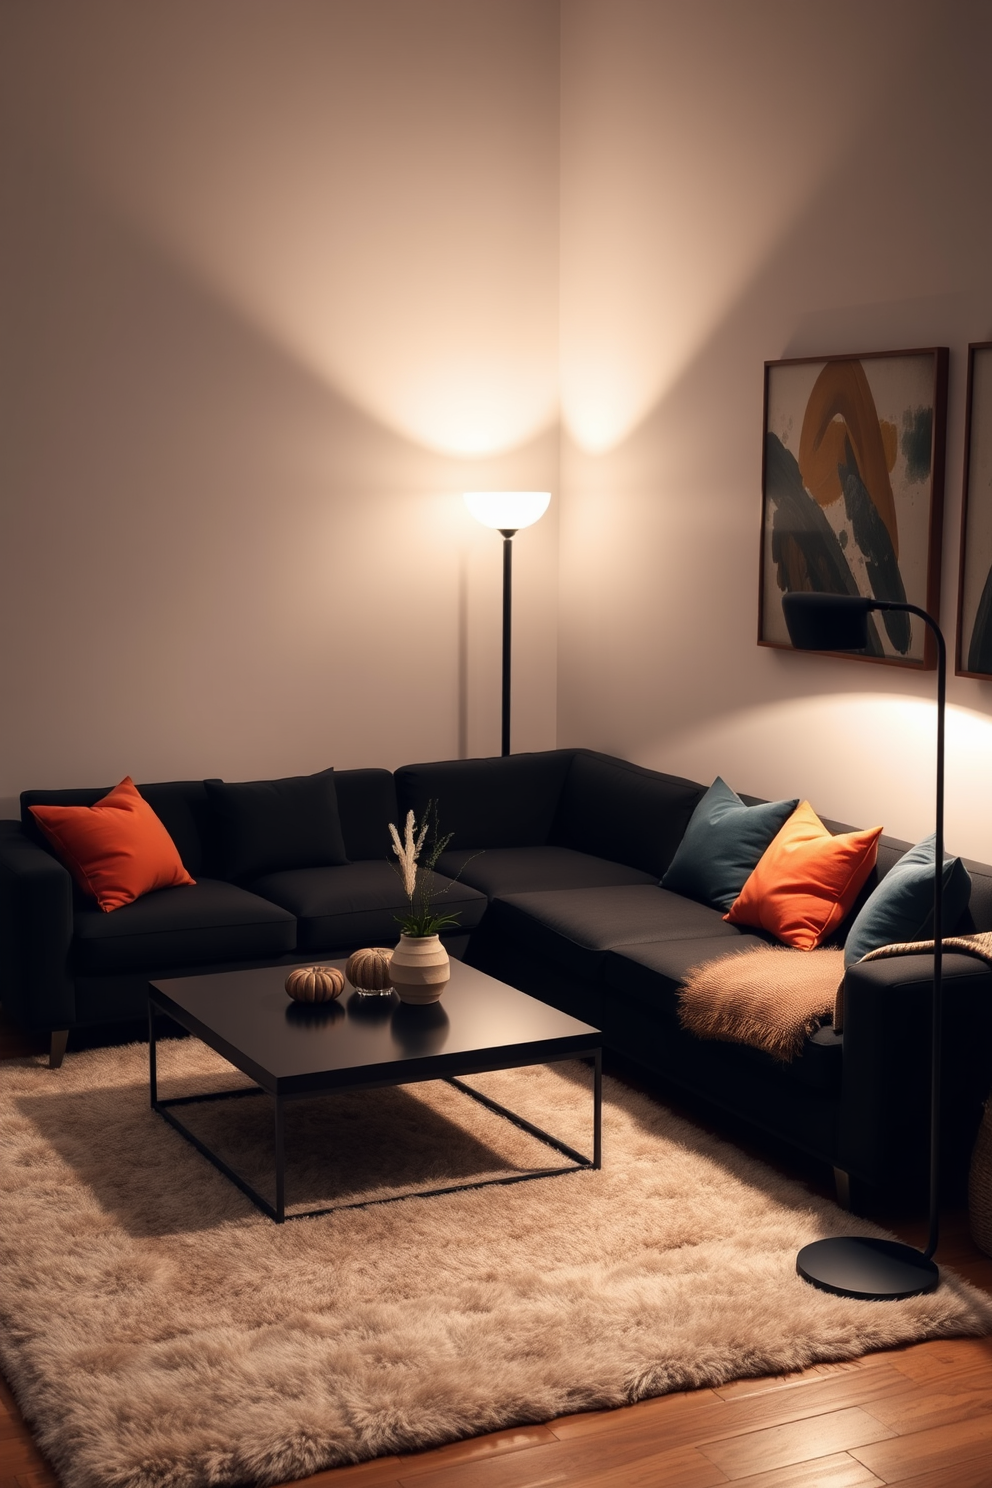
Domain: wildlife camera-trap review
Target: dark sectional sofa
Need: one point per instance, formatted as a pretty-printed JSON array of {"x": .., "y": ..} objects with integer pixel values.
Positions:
[{"x": 554, "y": 869}]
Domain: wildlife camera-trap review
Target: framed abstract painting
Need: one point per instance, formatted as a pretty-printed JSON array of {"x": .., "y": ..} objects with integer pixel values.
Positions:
[
  {"x": 974, "y": 649},
  {"x": 852, "y": 491}
]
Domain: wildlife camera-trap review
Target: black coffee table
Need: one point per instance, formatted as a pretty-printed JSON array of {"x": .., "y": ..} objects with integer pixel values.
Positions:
[{"x": 292, "y": 1051}]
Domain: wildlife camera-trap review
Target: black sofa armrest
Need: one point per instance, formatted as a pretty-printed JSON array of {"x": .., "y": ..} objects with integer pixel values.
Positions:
[
  {"x": 884, "y": 1133},
  {"x": 36, "y": 988}
]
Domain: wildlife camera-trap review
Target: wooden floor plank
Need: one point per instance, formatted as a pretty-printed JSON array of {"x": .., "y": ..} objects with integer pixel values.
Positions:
[
  {"x": 691, "y": 1421},
  {"x": 20, "y": 1455},
  {"x": 933, "y": 1360},
  {"x": 799, "y": 1441},
  {"x": 976, "y": 1472},
  {"x": 474, "y": 1449},
  {"x": 762, "y": 1384},
  {"x": 918, "y": 1452},
  {"x": 579, "y": 1466},
  {"x": 965, "y": 1395},
  {"x": 838, "y": 1471}
]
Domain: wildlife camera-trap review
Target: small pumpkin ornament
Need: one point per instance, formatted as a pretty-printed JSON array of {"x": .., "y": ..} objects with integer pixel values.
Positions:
[
  {"x": 314, "y": 983},
  {"x": 368, "y": 970}
]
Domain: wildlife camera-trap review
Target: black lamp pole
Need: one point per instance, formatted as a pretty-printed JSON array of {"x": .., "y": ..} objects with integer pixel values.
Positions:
[
  {"x": 507, "y": 512},
  {"x": 508, "y": 536},
  {"x": 855, "y": 1265}
]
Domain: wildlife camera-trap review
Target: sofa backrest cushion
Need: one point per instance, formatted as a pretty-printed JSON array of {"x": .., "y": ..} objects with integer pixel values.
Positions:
[
  {"x": 623, "y": 812},
  {"x": 366, "y": 806},
  {"x": 978, "y": 915},
  {"x": 498, "y": 802},
  {"x": 723, "y": 844},
  {"x": 267, "y": 826},
  {"x": 117, "y": 850},
  {"x": 180, "y": 805},
  {"x": 901, "y": 908}
]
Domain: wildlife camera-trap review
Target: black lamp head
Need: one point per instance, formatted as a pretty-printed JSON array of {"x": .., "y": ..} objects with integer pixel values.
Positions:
[{"x": 827, "y": 622}]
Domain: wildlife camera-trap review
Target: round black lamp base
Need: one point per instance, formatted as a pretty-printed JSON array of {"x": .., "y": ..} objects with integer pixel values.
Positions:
[{"x": 875, "y": 1270}]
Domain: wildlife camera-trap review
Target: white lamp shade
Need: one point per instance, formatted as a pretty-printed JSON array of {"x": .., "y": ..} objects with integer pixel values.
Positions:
[{"x": 507, "y": 509}]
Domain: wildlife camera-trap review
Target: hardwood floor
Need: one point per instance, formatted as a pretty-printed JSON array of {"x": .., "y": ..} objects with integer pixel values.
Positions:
[{"x": 920, "y": 1416}]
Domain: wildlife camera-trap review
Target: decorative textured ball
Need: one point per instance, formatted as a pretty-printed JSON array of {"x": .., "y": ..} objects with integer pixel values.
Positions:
[
  {"x": 368, "y": 970},
  {"x": 314, "y": 983}
]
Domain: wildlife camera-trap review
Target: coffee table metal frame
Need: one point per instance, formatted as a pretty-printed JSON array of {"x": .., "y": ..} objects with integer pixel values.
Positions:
[{"x": 479, "y": 1062}]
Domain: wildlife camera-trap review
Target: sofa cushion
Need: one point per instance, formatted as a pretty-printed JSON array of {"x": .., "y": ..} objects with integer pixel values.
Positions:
[
  {"x": 806, "y": 881},
  {"x": 180, "y": 805},
  {"x": 366, "y": 806},
  {"x": 264, "y": 826},
  {"x": 200, "y": 923},
  {"x": 901, "y": 908},
  {"x": 651, "y": 974},
  {"x": 358, "y": 904},
  {"x": 576, "y": 927},
  {"x": 612, "y": 809},
  {"x": 520, "y": 870},
  {"x": 500, "y": 802},
  {"x": 116, "y": 850},
  {"x": 722, "y": 845}
]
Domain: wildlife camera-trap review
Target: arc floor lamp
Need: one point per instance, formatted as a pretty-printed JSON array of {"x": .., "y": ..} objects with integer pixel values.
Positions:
[
  {"x": 507, "y": 512},
  {"x": 855, "y": 1265}
]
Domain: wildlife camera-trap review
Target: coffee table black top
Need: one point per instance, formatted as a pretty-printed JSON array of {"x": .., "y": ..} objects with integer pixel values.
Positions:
[{"x": 286, "y": 1047}]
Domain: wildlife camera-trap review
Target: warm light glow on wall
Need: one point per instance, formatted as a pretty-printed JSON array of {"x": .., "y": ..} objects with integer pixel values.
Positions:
[
  {"x": 353, "y": 190},
  {"x": 867, "y": 758},
  {"x": 656, "y": 252}
]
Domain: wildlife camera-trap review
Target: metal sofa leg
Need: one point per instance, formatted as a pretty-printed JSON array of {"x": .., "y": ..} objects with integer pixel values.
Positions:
[
  {"x": 842, "y": 1187},
  {"x": 56, "y": 1050}
]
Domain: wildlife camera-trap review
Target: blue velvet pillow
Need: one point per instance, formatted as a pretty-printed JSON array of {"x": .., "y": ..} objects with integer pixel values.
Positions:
[
  {"x": 901, "y": 907},
  {"x": 722, "y": 845}
]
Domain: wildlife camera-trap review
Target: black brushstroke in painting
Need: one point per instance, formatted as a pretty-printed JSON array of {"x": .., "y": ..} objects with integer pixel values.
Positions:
[
  {"x": 805, "y": 549},
  {"x": 917, "y": 443},
  {"x": 980, "y": 649},
  {"x": 872, "y": 536}
]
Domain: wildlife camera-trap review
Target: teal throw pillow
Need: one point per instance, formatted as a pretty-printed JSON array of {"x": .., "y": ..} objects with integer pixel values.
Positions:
[
  {"x": 901, "y": 907},
  {"x": 722, "y": 845}
]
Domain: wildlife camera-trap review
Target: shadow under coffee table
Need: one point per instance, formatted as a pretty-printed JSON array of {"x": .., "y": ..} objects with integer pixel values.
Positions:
[{"x": 293, "y": 1050}]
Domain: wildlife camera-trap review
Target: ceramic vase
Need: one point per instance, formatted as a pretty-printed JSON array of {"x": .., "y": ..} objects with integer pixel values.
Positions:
[{"x": 419, "y": 968}]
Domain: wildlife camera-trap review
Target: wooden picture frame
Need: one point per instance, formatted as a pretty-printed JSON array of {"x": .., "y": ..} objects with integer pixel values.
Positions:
[
  {"x": 852, "y": 491},
  {"x": 973, "y": 656}
]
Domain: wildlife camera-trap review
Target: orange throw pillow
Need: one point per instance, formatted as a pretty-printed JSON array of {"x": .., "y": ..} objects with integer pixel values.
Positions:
[
  {"x": 807, "y": 880},
  {"x": 116, "y": 850}
]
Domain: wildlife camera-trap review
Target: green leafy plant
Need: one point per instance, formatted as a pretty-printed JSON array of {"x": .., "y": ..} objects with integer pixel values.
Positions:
[{"x": 417, "y": 873}]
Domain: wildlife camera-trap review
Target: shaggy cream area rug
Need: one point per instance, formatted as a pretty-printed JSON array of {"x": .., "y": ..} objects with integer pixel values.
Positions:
[{"x": 160, "y": 1332}]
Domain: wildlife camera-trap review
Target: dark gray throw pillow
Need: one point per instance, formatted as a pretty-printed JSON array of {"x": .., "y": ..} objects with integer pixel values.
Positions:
[
  {"x": 900, "y": 909},
  {"x": 264, "y": 826},
  {"x": 722, "y": 845}
]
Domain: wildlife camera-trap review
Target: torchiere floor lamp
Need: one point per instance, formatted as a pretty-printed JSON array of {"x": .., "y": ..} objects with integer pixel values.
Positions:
[
  {"x": 507, "y": 512},
  {"x": 857, "y": 1266}
]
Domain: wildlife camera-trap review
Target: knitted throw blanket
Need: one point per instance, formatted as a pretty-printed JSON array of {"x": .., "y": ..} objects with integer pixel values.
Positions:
[{"x": 774, "y": 997}]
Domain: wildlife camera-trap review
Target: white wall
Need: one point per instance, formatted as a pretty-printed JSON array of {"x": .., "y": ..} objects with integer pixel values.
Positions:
[
  {"x": 742, "y": 183},
  {"x": 277, "y": 283}
]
